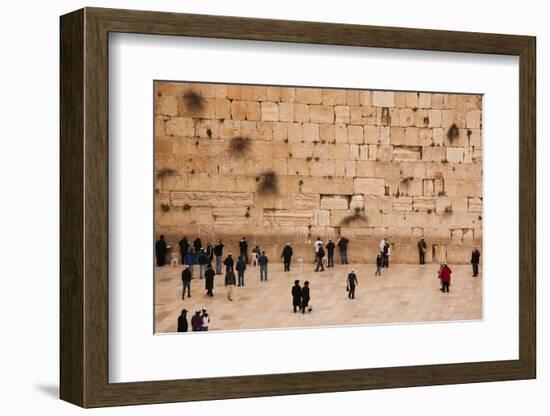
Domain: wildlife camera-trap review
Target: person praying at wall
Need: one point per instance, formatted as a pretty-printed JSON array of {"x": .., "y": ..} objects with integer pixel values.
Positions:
[
  {"x": 330, "y": 253},
  {"x": 287, "y": 257},
  {"x": 160, "y": 251}
]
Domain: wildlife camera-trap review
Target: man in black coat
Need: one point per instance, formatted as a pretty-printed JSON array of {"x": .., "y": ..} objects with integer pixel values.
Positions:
[
  {"x": 343, "y": 246},
  {"x": 352, "y": 282},
  {"x": 218, "y": 253},
  {"x": 422, "y": 251},
  {"x": 296, "y": 295},
  {"x": 184, "y": 247},
  {"x": 475, "y": 261},
  {"x": 287, "y": 256},
  {"x": 183, "y": 325},
  {"x": 160, "y": 251},
  {"x": 243, "y": 246},
  {"x": 330, "y": 253},
  {"x": 209, "y": 280},
  {"x": 320, "y": 256},
  {"x": 305, "y": 297},
  {"x": 186, "y": 277},
  {"x": 197, "y": 244},
  {"x": 229, "y": 262}
]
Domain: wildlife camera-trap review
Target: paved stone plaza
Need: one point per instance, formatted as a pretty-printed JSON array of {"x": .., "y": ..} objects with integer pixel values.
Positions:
[{"x": 404, "y": 293}]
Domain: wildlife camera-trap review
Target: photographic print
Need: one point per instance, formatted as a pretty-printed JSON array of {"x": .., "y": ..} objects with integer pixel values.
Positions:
[{"x": 299, "y": 207}]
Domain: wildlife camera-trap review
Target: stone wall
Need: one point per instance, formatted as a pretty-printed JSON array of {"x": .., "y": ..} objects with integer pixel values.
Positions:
[{"x": 360, "y": 163}]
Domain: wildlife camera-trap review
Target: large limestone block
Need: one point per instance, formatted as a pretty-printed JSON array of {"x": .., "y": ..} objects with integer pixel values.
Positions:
[
  {"x": 342, "y": 114},
  {"x": 365, "y": 169},
  {"x": 411, "y": 186},
  {"x": 376, "y": 203},
  {"x": 326, "y": 133},
  {"x": 412, "y": 137},
  {"x": 309, "y": 95},
  {"x": 369, "y": 186},
  {"x": 294, "y": 132},
  {"x": 273, "y": 201},
  {"x": 330, "y": 186},
  {"x": 424, "y": 100},
  {"x": 458, "y": 254},
  {"x": 288, "y": 94},
  {"x": 270, "y": 111},
  {"x": 354, "y": 97},
  {"x": 305, "y": 201},
  {"x": 434, "y": 118},
  {"x": 163, "y": 145},
  {"x": 275, "y": 217},
  {"x": 273, "y": 93},
  {"x": 321, "y": 114},
  {"x": 334, "y": 202},
  {"x": 422, "y": 203},
  {"x": 407, "y": 153},
  {"x": 355, "y": 134},
  {"x": 310, "y": 132},
  {"x": 230, "y": 215},
  {"x": 238, "y": 110},
  {"x": 475, "y": 205},
  {"x": 433, "y": 153},
  {"x": 473, "y": 119},
  {"x": 372, "y": 134},
  {"x": 421, "y": 118},
  {"x": 301, "y": 113},
  {"x": 286, "y": 112},
  {"x": 455, "y": 154},
  {"x": 180, "y": 126},
  {"x": 321, "y": 217},
  {"x": 351, "y": 168},
  {"x": 403, "y": 203},
  {"x": 397, "y": 136},
  {"x": 383, "y": 99},
  {"x": 222, "y": 109},
  {"x": 217, "y": 183},
  {"x": 406, "y": 117},
  {"x": 384, "y": 153},
  {"x": 369, "y": 115},
  {"x": 167, "y": 106},
  {"x": 334, "y": 97}
]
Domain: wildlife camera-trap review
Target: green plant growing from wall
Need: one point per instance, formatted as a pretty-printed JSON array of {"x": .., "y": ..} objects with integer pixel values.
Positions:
[
  {"x": 239, "y": 145},
  {"x": 165, "y": 172},
  {"x": 357, "y": 216},
  {"x": 186, "y": 207},
  {"x": 268, "y": 182},
  {"x": 165, "y": 207},
  {"x": 194, "y": 101},
  {"x": 452, "y": 133}
]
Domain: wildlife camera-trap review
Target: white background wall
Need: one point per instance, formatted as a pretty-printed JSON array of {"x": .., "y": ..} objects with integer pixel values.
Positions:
[{"x": 29, "y": 158}]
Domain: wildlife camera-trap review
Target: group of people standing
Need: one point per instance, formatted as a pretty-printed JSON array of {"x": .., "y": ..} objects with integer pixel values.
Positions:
[
  {"x": 199, "y": 321},
  {"x": 301, "y": 297}
]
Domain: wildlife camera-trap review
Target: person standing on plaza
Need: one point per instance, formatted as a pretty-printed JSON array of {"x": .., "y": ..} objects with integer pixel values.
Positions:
[
  {"x": 209, "y": 280},
  {"x": 320, "y": 256},
  {"x": 229, "y": 282},
  {"x": 160, "y": 251},
  {"x": 318, "y": 243},
  {"x": 476, "y": 255},
  {"x": 306, "y": 297},
  {"x": 190, "y": 259},
  {"x": 382, "y": 244},
  {"x": 218, "y": 252},
  {"x": 243, "y": 246},
  {"x": 196, "y": 322},
  {"x": 256, "y": 253},
  {"x": 287, "y": 257},
  {"x": 352, "y": 283},
  {"x": 184, "y": 246},
  {"x": 203, "y": 262},
  {"x": 422, "y": 251},
  {"x": 241, "y": 267},
  {"x": 296, "y": 295},
  {"x": 386, "y": 255},
  {"x": 197, "y": 244},
  {"x": 330, "y": 253},
  {"x": 378, "y": 271},
  {"x": 445, "y": 276},
  {"x": 343, "y": 248},
  {"x": 186, "y": 277},
  {"x": 183, "y": 325},
  {"x": 205, "y": 320},
  {"x": 209, "y": 252},
  {"x": 263, "y": 261},
  {"x": 229, "y": 262}
]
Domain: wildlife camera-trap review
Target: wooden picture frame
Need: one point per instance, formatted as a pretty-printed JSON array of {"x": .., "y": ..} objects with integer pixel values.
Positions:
[{"x": 84, "y": 207}]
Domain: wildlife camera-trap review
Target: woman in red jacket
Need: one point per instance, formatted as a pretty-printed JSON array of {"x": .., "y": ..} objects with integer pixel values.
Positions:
[{"x": 445, "y": 276}]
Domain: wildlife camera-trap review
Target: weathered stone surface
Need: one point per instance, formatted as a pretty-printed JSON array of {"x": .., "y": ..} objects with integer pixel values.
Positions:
[
  {"x": 383, "y": 99},
  {"x": 387, "y": 155},
  {"x": 334, "y": 202},
  {"x": 178, "y": 126},
  {"x": 371, "y": 186}
]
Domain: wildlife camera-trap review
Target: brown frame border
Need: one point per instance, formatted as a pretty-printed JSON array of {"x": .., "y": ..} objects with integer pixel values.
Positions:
[{"x": 84, "y": 207}]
